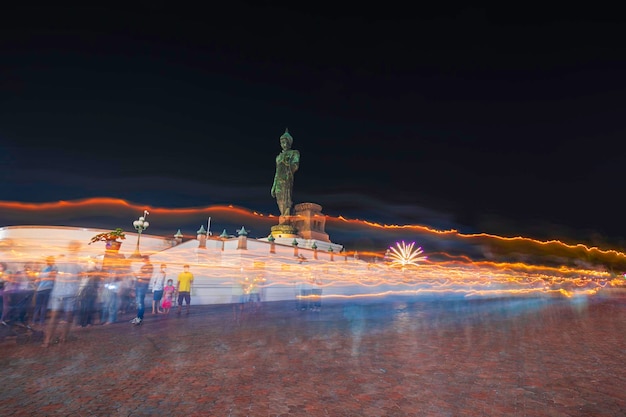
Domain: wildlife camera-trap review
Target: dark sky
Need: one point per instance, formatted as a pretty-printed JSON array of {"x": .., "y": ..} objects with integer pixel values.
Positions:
[{"x": 506, "y": 120}]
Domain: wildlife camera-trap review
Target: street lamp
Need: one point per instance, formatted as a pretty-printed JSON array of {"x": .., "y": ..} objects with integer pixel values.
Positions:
[{"x": 140, "y": 225}]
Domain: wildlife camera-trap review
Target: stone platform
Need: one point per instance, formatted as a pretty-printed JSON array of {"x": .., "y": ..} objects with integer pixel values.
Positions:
[{"x": 418, "y": 357}]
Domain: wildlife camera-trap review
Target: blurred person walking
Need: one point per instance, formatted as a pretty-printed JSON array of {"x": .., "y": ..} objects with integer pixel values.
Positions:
[
  {"x": 18, "y": 294},
  {"x": 4, "y": 277},
  {"x": 87, "y": 297},
  {"x": 114, "y": 273},
  {"x": 64, "y": 296},
  {"x": 110, "y": 299},
  {"x": 239, "y": 297},
  {"x": 254, "y": 293},
  {"x": 157, "y": 289},
  {"x": 141, "y": 288},
  {"x": 47, "y": 277}
]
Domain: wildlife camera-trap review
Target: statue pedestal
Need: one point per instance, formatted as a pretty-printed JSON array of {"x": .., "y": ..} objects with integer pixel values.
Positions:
[
  {"x": 286, "y": 220},
  {"x": 284, "y": 230}
]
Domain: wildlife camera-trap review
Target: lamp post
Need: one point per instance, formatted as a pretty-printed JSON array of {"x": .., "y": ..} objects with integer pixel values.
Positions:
[{"x": 140, "y": 225}]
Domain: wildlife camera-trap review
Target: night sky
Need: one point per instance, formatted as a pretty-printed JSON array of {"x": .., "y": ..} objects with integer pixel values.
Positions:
[{"x": 507, "y": 121}]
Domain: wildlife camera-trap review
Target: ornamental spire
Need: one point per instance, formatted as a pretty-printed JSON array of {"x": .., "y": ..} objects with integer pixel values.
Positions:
[{"x": 286, "y": 134}]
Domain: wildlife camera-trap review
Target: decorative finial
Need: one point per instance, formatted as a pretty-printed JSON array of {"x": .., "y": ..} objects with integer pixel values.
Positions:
[
  {"x": 242, "y": 231},
  {"x": 287, "y": 135}
]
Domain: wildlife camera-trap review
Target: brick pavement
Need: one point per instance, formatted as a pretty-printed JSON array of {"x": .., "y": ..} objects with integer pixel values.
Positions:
[{"x": 427, "y": 357}]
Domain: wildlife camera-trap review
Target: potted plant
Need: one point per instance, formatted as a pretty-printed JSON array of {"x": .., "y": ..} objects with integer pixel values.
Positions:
[{"x": 111, "y": 238}]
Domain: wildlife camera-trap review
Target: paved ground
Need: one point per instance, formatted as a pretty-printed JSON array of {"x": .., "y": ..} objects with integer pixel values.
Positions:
[{"x": 428, "y": 357}]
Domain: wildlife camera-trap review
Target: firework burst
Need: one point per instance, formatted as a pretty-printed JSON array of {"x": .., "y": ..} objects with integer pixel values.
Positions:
[{"x": 404, "y": 255}]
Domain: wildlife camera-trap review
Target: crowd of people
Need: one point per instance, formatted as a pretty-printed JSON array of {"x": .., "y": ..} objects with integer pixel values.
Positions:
[{"x": 66, "y": 292}]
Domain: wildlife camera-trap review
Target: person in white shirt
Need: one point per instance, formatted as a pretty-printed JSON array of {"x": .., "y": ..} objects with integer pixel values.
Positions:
[{"x": 157, "y": 289}]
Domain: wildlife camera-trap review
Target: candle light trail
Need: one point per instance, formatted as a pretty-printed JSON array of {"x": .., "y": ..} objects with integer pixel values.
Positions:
[{"x": 548, "y": 267}]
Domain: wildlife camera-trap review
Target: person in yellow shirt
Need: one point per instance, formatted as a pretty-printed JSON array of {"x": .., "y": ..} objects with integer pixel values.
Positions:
[{"x": 183, "y": 288}]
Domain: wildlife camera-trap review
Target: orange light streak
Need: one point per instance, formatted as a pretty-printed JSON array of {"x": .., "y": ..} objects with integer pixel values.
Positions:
[
  {"x": 54, "y": 212},
  {"x": 456, "y": 233}
]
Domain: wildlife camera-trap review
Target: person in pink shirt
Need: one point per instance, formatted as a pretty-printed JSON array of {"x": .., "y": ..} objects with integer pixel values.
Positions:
[{"x": 168, "y": 295}]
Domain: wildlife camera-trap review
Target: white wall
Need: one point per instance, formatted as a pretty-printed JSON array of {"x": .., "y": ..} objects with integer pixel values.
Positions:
[
  {"x": 35, "y": 243},
  {"x": 217, "y": 268}
]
